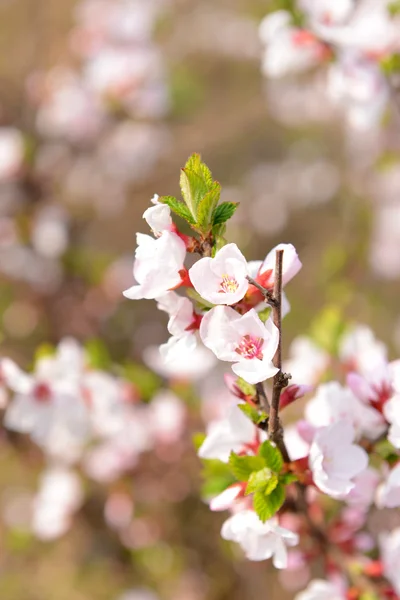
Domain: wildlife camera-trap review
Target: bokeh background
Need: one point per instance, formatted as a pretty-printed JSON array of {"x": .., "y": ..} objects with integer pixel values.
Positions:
[{"x": 101, "y": 103}]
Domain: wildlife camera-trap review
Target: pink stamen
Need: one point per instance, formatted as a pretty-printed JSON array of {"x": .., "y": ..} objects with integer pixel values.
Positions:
[{"x": 250, "y": 347}]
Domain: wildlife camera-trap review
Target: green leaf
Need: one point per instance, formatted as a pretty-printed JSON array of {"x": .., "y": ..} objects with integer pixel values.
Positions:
[
  {"x": 247, "y": 388},
  {"x": 217, "y": 477},
  {"x": 200, "y": 302},
  {"x": 179, "y": 208},
  {"x": 391, "y": 64},
  {"x": 44, "y": 350},
  {"x": 267, "y": 506},
  {"x": 262, "y": 481},
  {"x": 224, "y": 212},
  {"x": 272, "y": 456},
  {"x": 206, "y": 208},
  {"x": 264, "y": 314},
  {"x": 146, "y": 382},
  {"x": 196, "y": 181},
  {"x": 252, "y": 413},
  {"x": 287, "y": 478},
  {"x": 394, "y": 8},
  {"x": 98, "y": 355},
  {"x": 198, "y": 439},
  {"x": 243, "y": 466}
]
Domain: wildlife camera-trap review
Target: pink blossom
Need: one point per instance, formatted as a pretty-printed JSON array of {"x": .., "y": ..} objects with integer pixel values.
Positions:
[
  {"x": 390, "y": 552},
  {"x": 11, "y": 152},
  {"x": 288, "y": 49},
  {"x": 243, "y": 340},
  {"x": 222, "y": 279},
  {"x": 158, "y": 264},
  {"x": 388, "y": 494},
  {"x": 158, "y": 217},
  {"x": 259, "y": 540},
  {"x": 291, "y": 266},
  {"x": 59, "y": 496},
  {"x": 334, "y": 460},
  {"x": 234, "y": 433},
  {"x": 333, "y": 403},
  {"x": 319, "y": 589}
]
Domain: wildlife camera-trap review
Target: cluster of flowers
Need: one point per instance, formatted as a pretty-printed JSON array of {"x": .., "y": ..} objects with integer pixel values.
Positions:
[
  {"x": 81, "y": 416},
  {"x": 316, "y": 485},
  {"x": 96, "y": 129},
  {"x": 355, "y": 40}
]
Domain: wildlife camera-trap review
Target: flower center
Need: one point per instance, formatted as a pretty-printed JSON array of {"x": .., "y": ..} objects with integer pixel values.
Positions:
[
  {"x": 42, "y": 392},
  {"x": 250, "y": 347},
  {"x": 228, "y": 284}
]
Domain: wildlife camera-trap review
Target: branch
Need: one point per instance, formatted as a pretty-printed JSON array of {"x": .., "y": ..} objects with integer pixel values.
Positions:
[
  {"x": 275, "y": 431},
  {"x": 268, "y": 295}
]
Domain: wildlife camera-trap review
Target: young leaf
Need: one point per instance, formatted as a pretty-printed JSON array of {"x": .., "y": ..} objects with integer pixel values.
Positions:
[
  {"x": 179, "y": 208},
  {"x": 207, "y": 206},
  {"x": 196, "y": 181},
  {"x": 262, "y": 481},
  {"x": 272, "y": 456},
  {"x": 252, "y": 413},
  {"x": 264, "y": 314},
  {"x": 287, "y": 478},
  {"x": 247, "y": 388},
  {"x": 267, "y": 506},
  {"x": 243, "y": 466},
  {"x": 224, "y": 212}
]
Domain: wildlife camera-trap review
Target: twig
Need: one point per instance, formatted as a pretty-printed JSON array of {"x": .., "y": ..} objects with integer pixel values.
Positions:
[
  {"x": 268, "y": 295},
  {"x": 275, "y": 431},
  {"x": 262, "y": 397}
]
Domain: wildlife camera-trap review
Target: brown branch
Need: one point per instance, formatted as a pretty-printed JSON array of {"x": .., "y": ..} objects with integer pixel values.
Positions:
[
  {"x": 268, "y": 295},
  {"x": 275, "y": 431}
]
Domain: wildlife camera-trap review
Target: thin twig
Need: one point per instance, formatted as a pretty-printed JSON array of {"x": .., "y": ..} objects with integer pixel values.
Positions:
[
  {"x": 268, "y": 295},
  {"x": 262, "y": 397}
]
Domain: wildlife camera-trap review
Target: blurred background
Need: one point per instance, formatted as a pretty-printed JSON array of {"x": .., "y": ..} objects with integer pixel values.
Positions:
[{"x": 101, "y": 103}]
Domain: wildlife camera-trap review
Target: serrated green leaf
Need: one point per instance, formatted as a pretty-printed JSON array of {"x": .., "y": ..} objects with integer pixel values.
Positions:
[
  {"x": 287, "y": 478},
  {"x": 243, "y": 466},
  {"x": 195, "y": 181},
  {"x": 272, "y": 456},
  {"x": 247, "y": 388},
  {"x": 206, "y": 207},
  {"x": 262, "y": 481},
  {"x": 267, "y": 506},
  {"x": 179, "y": 208},
  {"x": 224, "y": 212}
]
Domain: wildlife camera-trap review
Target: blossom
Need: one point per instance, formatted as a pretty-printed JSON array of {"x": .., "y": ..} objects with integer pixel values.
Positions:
[
  {"x": 333, "y": 403},
  {"x": 390, "y": 554},
  {"x": 363, "y": 493},
  {"x": 288, "y": 49},
  {"x": 182, "y": 325},
  {"x": 180, "y": 364},
  {"x": 11, "y": 152},
  {"x": 234, "y": 433},
  {"x": 158, "y": 217},
  {"x": 243, "y": 340},
  {"x": 334, "y": 460},
  {"x": 307, "y": 361},
  {"x": 361, "y": 351},
  {"x": 222, "y": 279},
  {"x": 259, "y": 540},
  {"x": 318, "y": 589},
  {"x": 227, "y": 498},
  {"x": 59, "y": 496},
  {"x": 291, "y": 265},
  {"x": 49, "y": 404},
  {"x": 388, "y": 494},
  {"x": 158, "y": 265}
]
